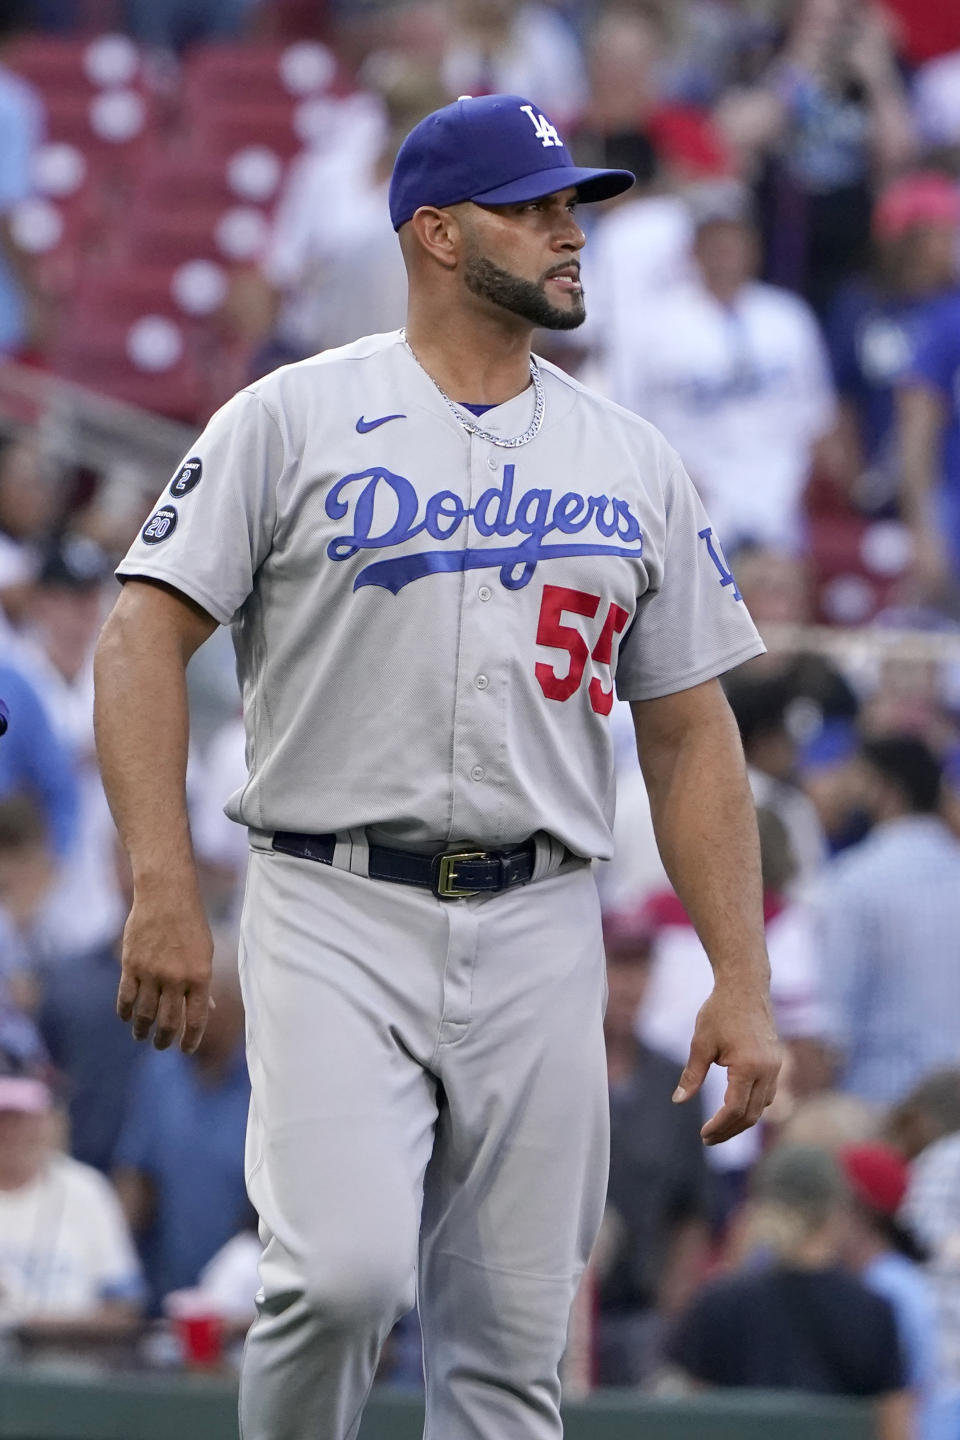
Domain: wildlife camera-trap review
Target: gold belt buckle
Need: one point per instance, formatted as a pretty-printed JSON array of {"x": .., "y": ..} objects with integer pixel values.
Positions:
[{"x": 447, "y": 876}]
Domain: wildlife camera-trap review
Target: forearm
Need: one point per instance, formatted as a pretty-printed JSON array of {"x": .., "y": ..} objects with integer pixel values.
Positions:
[
  {"x": 705, "y": 825},
  {"x": 142, "y": 727}
]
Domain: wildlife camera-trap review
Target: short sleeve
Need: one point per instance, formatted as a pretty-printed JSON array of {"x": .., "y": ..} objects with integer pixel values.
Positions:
[
  {"x": 692, "y": 624},
  {"x": 213, "y": 525}
]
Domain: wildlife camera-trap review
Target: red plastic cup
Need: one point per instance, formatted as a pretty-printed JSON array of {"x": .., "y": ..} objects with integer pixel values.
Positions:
[
  {"x": 198, "y": 1328},
  {"x": 201, "y": 1339}
]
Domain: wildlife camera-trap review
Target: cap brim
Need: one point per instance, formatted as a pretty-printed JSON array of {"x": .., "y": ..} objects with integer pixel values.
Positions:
[{"x": 590, "y": 185}]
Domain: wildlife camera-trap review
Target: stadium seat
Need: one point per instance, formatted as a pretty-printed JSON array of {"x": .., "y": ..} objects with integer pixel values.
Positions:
[
  {"x": 189, "y": 294},
  {"x": 166, "y": 238},
  {"x": 146, "y": 362},
  {"x": 172, "y": 177},
  {"x": 223, "y": 129},
  {"x": 112, "y": 126},
  {"x": 265, "y": 74},
  {"x": 58, "y": 67}
]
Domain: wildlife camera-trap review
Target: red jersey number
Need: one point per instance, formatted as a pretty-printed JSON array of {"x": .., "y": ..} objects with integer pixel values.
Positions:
[{"x": 553, "y": 634}]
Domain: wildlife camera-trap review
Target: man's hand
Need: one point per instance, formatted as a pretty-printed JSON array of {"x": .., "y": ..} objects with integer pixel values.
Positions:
[
  {"x": 167, "y": 960},
  {"x": 743, "y": 1038}
]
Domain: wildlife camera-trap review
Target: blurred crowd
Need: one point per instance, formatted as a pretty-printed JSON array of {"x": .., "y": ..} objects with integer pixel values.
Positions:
[{"x": 780, "y": 294}]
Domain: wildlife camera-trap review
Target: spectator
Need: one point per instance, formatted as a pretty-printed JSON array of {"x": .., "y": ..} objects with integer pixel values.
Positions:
[
  {"x": 883, "y": 1253},
  {"x": 28, "y": 507},
  {"x": 628, "y": 113},
  {"x": 84, "y": 910},
  {"x": 830, "y": 1121},
  {"x": 843, "y": 120},
  {"x": 221, "y": 845},
  {"x": 734, "y": 373},
  {"x": 66, "y": 1259},
  {"x": 25, "y": 871},
  {"x": 927, "y": 1113},
  {"x": 655, "y": 1235},
  {"x": 179, "y": 1159},
  {"x": 936, "y": 101},
  {"x": 890, "y": 930},
  {"x": 762, "y": 708},
  {"x": 34, "y": 762},
  {"x": 929, "y": 419},
  {"x": 932, "y": 1210},
  {"x": 877, "y": 322},
  {"x": 332, "y": 268},
  {"x": 94, "y": 1055},
  {"x": 177, "y": 24},
  {"x": 680, "y": 982},
  {"x": 794, "y": 1319},
  {"x": 20, "y": 130},
  {"x": 501, "y": 47}
]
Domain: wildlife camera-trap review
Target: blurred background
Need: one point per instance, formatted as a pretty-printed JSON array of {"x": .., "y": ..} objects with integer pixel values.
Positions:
[{"x": 193, "y": 192}]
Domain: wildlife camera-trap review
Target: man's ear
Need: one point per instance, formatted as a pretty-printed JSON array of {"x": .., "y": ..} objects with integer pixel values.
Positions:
[{"x": 439, "y": 233}]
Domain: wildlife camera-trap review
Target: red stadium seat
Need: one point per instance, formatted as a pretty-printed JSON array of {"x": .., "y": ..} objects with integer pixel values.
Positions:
[
  {"x": 160, "y": 238},
  {"x": 263, "y": 74},
  {"x": 181, "y": 176},
  {"x": 114, "y": 127},
  {"x": 190, "y": 294},
  {"x": 58, "y": 67},
  {"x": 147, "y": 363},
  {"x": 223, "y": 129}
]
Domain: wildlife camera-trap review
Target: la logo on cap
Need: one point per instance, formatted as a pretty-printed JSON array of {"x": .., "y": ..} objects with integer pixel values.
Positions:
[{"x": 546, "y": 133}]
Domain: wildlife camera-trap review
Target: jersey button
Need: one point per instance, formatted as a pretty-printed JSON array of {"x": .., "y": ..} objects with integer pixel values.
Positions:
[
  {"x": 492, "y": 462},
  {"x": 477, "y": 773},
  {"x": 481, "y": 682},
  {"x": 484, "y": 592}
]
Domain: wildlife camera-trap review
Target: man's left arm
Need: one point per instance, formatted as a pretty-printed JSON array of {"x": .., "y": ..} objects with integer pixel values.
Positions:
[{"x": 706, "y": 830}]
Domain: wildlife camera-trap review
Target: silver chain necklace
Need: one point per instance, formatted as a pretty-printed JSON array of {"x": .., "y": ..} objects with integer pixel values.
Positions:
[{"x": 472, "y": 429}]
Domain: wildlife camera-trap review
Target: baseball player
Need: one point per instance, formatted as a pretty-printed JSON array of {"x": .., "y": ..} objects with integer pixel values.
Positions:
[{"x": 439, "y": 556}]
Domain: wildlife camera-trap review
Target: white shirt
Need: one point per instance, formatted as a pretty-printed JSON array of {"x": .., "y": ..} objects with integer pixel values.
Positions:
[
  {"x": 637, "y": 251},
  {"x": 333, "y": 252},
  {"x": 64, "y": 1245},
  {"x": 743, "y": 392}
]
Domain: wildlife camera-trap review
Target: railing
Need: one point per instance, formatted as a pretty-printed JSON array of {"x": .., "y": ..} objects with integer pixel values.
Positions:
[
  {"x": 185, "y": 1407},
  {"x": 77, "y": 426}
]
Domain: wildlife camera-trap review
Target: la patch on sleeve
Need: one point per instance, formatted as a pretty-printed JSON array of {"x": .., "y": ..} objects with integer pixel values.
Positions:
[
  {"x": 187, "y": 477},
  {"x": 160, "y": 526}
]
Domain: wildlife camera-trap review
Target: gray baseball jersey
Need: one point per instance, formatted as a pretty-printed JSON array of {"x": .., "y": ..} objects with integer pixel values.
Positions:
[{"x": 429, "y": 627}]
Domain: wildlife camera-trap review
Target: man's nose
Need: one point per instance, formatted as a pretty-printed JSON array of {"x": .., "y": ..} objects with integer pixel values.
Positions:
[{"x": 568, "y": 235}]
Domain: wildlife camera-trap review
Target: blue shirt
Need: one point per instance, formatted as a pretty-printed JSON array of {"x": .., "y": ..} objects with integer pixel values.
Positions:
[
  {"x": 937, "y": 365},
  {"x": 95, "y": 1055},
  {"x": 906, "y": 1287},
  {"x": 32, "y": 759},
  {"x": 873, "y": 340},
  {"x": 889, "y": 911},
  {"x": 20, "y": 128},
  {"x": 187, "y": 1136}
]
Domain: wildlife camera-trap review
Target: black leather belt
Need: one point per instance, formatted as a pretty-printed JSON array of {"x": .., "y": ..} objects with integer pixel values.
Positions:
[{"x": 450, "y": 876}]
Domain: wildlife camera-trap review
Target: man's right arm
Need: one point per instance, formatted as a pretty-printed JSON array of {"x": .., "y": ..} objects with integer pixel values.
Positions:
[{"x": 142, "y": 729}]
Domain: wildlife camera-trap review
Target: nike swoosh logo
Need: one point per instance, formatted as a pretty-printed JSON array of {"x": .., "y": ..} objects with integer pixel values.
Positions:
[{"x": 363, "y": 426}]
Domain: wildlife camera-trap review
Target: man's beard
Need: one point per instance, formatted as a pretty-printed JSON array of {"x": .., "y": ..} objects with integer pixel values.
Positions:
[{"x": 526, "y": 298}]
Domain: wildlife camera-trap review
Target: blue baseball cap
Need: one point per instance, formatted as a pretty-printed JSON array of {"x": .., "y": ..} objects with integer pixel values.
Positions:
[{"x": 495, "y": 150}]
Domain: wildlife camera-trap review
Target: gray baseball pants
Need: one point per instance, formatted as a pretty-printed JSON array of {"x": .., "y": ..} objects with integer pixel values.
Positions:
[{"x": 428, "y": 1122}]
